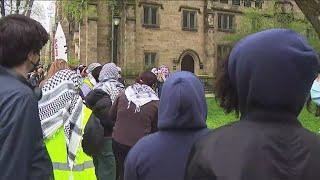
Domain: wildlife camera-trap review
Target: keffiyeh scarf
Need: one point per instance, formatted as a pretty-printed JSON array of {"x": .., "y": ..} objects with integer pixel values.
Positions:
[
  {"x": 109, "y": 81},
  {"x": 61, "y": 106},
  {"x": 112, "y": 87},
  {"x": 140, "y": 94}
]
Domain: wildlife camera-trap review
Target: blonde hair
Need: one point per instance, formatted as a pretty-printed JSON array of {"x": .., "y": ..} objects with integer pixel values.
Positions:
[{"x": 56, "y": 66}]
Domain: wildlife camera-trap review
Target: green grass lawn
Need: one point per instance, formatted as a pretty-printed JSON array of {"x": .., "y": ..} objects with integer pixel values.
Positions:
[{"x": 217, "y": 117}]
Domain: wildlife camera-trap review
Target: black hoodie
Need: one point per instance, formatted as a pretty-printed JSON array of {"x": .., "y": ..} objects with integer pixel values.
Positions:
[
  {"x": 100, "y": 103},
  {"x": 272, "y": 71}
]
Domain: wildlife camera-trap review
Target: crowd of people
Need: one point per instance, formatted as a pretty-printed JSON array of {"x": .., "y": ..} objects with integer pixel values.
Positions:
[{"x": 87, "y": 123}]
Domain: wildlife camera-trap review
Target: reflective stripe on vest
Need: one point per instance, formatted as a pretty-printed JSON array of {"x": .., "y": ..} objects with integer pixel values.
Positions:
[
  {"x": 83, "y": 168},
  {"x": 78, "y": 167}
]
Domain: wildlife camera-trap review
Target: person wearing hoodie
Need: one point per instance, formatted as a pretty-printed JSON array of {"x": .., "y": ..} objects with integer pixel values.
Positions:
[
  {"x": 100, "y": 100},
  {"x": 267, "y": 79},
  {"x": 182, "y": 116},
  {"x": 135, "y": 113}
]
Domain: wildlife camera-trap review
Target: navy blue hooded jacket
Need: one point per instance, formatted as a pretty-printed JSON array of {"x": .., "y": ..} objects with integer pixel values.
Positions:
[
  {"x": 272, "y": 72},
  {"x": 23, "y": 155},
  {"x": 182, "y": 114}
]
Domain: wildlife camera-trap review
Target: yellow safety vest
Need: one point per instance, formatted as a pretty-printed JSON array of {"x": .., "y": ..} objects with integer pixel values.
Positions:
[
  {"x": 87, "y": 82},
  {"x": 83, "y": 168}
]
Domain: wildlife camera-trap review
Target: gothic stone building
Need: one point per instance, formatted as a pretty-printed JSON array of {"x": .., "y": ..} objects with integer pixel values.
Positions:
[{"x": 140, "y": 34}]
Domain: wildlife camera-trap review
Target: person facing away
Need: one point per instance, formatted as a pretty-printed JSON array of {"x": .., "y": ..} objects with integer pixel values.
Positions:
[
  {"x": 63, "y": 120},
  {"x": 91, "y": 79},
  {"x": 135, "y": 114},
  {"x": 57, "y": 65},
  {"x": 182, "y": 115},
  {"x": 23, "y": 155},
  {"x": 267, "y": 78},
  {"x": 100, "y": 100}
]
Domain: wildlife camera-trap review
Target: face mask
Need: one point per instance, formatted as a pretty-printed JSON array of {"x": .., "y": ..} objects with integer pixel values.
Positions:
[
  {"x": 315, "y": 92},
  {"x": 35, "y": 65}
]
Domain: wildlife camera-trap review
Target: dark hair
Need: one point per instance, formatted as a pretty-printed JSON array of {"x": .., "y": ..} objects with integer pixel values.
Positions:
[
  {"x": 20, "y": 35},
  {"x": 224, "y": 92},
  {"x": 81, "y": 68},
  {"x": 147, "y": 78},
  {"x": 96, "y": 72}
]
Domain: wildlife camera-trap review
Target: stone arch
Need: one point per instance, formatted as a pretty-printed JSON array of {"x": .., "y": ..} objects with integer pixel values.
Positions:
[{"x": 188, "y": 60}]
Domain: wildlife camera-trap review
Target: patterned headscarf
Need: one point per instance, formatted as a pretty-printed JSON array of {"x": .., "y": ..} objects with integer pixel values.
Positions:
[
  {"x": 109, "y": 81},
  {"x": 154, "y": 71},
  {"x": 109, "y": 71},
  {"x": 92, "y": 66},
  {"x": 140, "y": 94},
  {"x": 61, "y": 106}
]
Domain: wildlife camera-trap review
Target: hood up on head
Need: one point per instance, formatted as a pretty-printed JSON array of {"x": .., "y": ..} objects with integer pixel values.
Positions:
[
  {"x": 109, "y": 71},
  {"x": 273, "y": 71},
  {"x": 183, "y": 103},
  {"x": 92, "y": 66}
]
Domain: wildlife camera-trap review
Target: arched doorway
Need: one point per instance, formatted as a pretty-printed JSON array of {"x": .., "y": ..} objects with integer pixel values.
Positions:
[{"x": 187, "y": 63}]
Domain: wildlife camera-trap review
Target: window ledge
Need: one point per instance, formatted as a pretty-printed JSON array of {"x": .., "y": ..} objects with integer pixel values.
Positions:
[
  {"x": 145, "y": 2},
  {"x": 151, "y": 26},
  {"x": 189, "y": 8},
  {"x": 227, "y": 30},
  {"x": 189, "y": 29}
]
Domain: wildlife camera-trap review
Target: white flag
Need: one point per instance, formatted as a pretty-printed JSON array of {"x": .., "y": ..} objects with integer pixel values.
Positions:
[{"x": 60, "y": 45}]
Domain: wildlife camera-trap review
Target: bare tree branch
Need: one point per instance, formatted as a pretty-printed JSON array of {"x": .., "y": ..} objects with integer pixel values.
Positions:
[
  {"x": 25, "y": 7},
  {"x": 311, "y": 10},
  {"x": 30, "y": 8},
  {"x": 11, "y": 7},
  {"x": 3, "y": 10}
]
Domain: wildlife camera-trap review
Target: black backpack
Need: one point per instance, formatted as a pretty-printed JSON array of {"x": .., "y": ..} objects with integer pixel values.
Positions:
[{"x": 93, "y": 137}]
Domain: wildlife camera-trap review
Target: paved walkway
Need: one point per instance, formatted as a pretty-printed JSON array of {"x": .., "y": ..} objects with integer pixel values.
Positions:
[{"x": 209, "y": 95}]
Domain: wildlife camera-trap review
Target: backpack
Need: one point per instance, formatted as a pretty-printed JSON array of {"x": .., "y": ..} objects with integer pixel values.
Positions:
[{"x": 93, "y": 137}]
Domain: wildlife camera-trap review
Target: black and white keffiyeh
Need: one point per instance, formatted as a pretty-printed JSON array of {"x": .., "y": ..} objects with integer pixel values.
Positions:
[
  {"x": 109, "y": 81},
  {"x": 111, "y": 87},
  {"x": 61, "y": 106},
  {"x": 140, "y": 94}
]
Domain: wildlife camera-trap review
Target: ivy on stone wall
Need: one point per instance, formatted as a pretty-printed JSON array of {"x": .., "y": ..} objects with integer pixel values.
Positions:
[
  {"x": 255, "y": 20},
  {"x": 74, "y": 9},
  {"x": 73, "y": 62}
]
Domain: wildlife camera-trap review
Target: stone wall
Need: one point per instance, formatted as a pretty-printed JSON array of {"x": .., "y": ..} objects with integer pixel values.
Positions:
[
  {"x": 169, "y": 41},
  {"x": 103, "y": 32}
]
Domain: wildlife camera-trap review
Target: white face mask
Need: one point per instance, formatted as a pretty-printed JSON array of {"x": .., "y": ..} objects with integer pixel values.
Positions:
[{"x": 315, "y": 92}]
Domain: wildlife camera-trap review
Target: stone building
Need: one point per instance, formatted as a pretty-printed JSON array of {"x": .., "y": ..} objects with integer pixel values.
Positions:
[{"x": 141, "y": 34}]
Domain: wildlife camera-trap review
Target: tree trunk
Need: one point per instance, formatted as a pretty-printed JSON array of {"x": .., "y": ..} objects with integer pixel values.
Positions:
[
  {"x": 25, "y": 8},
  {"x": 11, "y": 7},
  {"x": 311, "y": 9},
  {"x": 29, "y": 8},
  {"x": 18, "y": 2},
  {"x": 3, "y": 10}
]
